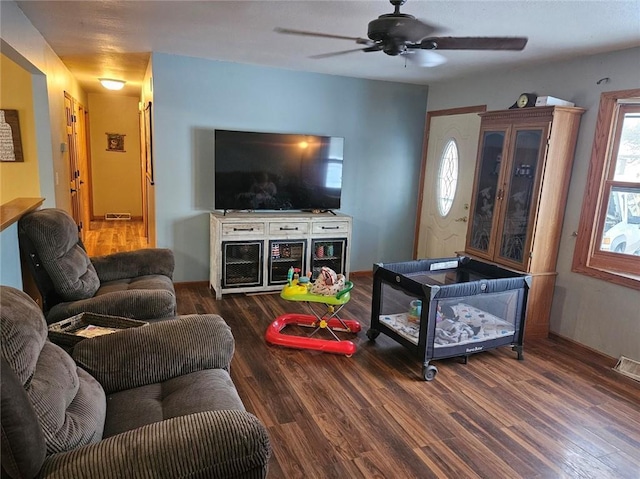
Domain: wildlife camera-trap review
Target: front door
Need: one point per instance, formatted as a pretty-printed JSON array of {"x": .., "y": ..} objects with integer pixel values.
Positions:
[{"x": 448, "y": 170}]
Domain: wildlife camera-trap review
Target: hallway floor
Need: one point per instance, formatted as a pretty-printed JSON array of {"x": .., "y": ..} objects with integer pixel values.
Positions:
[{"x": 106, "y": 237}]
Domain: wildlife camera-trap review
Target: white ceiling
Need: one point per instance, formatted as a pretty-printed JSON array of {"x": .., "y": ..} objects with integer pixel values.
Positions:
[{"x": 114, "y": 38}]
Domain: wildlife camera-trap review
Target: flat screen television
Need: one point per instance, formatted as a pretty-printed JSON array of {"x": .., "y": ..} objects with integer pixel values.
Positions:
[{"x": 277, "y": 171}]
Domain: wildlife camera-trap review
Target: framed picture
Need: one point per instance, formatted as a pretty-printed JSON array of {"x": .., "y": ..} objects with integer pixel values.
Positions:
[
  {"x": 10, "y": 140},
  {"x": 115, "y": 142},
  {"x": 147, "y": 142}
]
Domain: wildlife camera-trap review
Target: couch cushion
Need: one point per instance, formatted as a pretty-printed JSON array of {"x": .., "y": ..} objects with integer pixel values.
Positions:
[
  {"x": 54, "y": 234},
  {"x": 148, "y": 283},
  {"x": 156, "y": 298},
  {"x": 23, "y": 445},
  {"x": 69, "y": 403},
  {"x": 23, "y": 332},
  {"x": 143, "y": 304},
  {"x": 208, "y": 390}
]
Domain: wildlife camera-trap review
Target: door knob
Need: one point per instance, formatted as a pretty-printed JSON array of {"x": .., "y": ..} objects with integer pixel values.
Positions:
[{"x": 462, "y": 219}]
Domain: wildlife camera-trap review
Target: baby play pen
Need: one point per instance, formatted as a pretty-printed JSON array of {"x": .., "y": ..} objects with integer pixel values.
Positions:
[{"x": 448, "y": 307}]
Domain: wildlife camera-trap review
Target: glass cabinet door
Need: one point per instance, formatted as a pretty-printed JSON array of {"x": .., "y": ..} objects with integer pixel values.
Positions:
[
  {"x": 514, "y": 231},
  {"x": 484, "y": 203},
  {"x": 285, "y": 254},
  {"x": 241, "y": 264},
  {"x": 330, "y": 253}
]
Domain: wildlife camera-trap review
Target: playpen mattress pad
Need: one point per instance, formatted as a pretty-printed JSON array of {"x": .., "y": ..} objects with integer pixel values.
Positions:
[{"x": 471, "y": 325}]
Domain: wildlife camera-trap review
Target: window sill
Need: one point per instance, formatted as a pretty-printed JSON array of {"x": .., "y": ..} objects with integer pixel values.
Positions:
[{"x": 623, "y": 279}]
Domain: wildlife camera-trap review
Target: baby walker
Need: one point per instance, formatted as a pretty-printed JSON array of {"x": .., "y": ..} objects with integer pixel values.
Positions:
[{"x": 298, "y": 289}]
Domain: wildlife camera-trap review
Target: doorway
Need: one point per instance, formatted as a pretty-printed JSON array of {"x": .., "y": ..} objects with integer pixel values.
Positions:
[
  {"x": 76, "y": 118},
  {"x": 451, "y": 143},
  {"x": 105, "y": 178}
]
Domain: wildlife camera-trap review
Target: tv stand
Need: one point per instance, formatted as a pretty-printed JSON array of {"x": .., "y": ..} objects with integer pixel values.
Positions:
[
  {"x": 317, "y": 211},
  {"x": 224, "y": 212},
  {"x": 252, "y": 252}
]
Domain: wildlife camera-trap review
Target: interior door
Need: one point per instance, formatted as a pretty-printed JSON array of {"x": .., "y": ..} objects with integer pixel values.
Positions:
[
  {"x": 84, "y": 179},
  {"x": 74, "y": 161},
  {"x": 442, "y": 235}
]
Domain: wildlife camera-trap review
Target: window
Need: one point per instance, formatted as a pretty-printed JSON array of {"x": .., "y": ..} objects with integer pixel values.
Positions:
[
  {"x": 333, "y": 176},
  {"x": 608, "y": 243},
  {"x": 447, "y": 177}
]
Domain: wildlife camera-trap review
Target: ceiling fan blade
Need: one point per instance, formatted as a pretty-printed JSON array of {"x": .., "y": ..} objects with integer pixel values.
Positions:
[
  {"x": 343, "y": 52},
  {"x": 411, "y": 29},
  {"x": 289, "y": 31},
  {"x": 473, "y": 43}
]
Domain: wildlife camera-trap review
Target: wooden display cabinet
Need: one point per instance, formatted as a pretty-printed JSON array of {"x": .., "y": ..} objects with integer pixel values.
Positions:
[{"x": 519, "y": 196}]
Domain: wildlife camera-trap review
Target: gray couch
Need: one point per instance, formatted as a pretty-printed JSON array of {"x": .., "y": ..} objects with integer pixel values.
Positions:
[
  {"x": 133, "y": 284},
  {"x": 148, "y": 402}
]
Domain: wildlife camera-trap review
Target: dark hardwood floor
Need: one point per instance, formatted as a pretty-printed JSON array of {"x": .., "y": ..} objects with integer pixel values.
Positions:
[{"x": 560, "y": 413}]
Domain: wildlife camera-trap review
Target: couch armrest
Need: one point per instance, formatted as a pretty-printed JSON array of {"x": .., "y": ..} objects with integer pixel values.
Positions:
[
  {"x": 208, "y": 444},
  {"x": 155, "y": 353},
  {"x": 131, "y": 264}
]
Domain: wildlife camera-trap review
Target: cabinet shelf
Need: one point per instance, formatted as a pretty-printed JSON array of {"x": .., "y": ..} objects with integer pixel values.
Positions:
[{"x": 239, "y": 261}]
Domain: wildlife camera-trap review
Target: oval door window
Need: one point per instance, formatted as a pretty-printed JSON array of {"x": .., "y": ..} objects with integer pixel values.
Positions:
[{"x": 447, "y": 177}]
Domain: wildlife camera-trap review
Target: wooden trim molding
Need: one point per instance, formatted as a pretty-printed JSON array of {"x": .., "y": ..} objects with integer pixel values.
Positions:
[
  {"x": 598, "y": 357},
  {"x": 15, "y": 209},
  {"x": 361, "y": 274},
  {"x": 586, "y": 241},
  {"x": 190, "y": 284}
]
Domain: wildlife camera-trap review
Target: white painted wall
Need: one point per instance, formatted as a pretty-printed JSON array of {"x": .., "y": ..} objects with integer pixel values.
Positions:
[
  {"x": 593, "y": 312},
  {"x": 382, "y": 124}
]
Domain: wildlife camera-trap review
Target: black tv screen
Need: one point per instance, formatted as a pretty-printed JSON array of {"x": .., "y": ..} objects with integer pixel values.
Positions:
[{"x": 277, "y": 171}]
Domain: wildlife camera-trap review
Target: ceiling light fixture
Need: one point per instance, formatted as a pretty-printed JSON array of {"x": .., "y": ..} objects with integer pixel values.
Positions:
[{"x": 111, "y": 84}]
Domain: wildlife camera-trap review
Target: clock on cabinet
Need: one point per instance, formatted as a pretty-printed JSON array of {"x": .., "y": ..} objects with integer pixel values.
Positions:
[{"x": 525, "y": 100}]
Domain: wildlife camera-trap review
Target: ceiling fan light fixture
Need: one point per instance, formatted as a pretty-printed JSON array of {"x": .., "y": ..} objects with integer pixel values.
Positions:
[
  {"x": 428, "y": 58},
  {"x": 111, "y": 84}
]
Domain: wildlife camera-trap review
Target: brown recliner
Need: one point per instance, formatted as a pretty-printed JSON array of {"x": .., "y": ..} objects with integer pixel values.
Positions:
[
  {"x": 134, "y": 284},
  {"x": 147, "y": 402}
]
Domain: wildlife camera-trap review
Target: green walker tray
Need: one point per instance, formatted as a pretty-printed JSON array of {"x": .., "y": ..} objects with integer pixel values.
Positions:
[{"x": 300, "y": 292}]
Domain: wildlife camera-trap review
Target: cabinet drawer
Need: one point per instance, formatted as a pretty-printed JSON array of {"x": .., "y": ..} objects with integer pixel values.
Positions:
[
  {"x": 289, "y": 227},
  {"x": 242, "y": 229},
  {"x": 331, "y": 227}
]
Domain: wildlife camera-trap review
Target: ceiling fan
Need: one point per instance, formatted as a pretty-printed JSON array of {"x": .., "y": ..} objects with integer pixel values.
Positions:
[{"x": 402, "y": 34}]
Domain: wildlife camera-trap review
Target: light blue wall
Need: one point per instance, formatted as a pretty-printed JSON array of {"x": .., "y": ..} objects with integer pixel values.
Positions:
[
  {"x": 10, "y": 270},
  {"x": 382, "y": 124}
]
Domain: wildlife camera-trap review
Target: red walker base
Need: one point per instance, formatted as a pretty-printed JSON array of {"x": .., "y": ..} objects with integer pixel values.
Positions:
[{"x": 274, "y": 335}]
